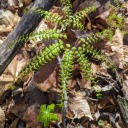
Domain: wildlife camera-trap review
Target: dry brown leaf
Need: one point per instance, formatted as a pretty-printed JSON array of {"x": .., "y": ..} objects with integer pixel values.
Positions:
[
  {"x": 107, "y": 125},
  {"x": 16, "y": 65},
  {"x": 94, "y": 126},
  {"x": 79, "y": 106},
  {"x": 14, "y": 123},
  {"x": 48, "y": 84},
  {"x": 125, "y": 84},
  {"x": 21, "y": 63},
  {"x": 99, "y": 21},
  {"x": 95, "y": 68},
  {"x": 110, "y": 98},
  {"x": 30, "y": 117},
  {"x": 126, "y": 5},
  {"x": 106, "y": 102},
  {"x": 5, "y": 78},
  {"x": 8, "y": 19},
  {"x": 102, "y": 103},
  {"x": 103, "y": 70},
  {"x": 26, "y": 2},
  {"x": 84, "y": 83},
  {"x": 105, "y": 14},
  {"x": 126, "y": 55},
  {"x": 41, "y": 27},
  {"x": 75, "y": 4},
  {"x": 12, "y": 67},
  {"x": 2, "y": 118},
  {"x": 115, "y": 48},
  {"x": 89, "y": 26},
  {"x": 5, "y": 81},
  {"x": 13, "y": 2},
  {"x": 87, "y": 84}
]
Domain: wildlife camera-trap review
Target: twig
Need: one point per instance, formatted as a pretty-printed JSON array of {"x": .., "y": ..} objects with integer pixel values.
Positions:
[{"x": 110, "y": 81}]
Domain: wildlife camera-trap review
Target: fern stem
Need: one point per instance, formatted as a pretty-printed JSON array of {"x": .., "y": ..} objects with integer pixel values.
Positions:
[
  {"x": 66, "y": 66},
  {"x": 65, "y": 102}
]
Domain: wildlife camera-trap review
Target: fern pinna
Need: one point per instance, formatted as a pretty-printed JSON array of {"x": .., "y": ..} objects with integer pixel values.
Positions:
[{"x": 72, "y": 53}]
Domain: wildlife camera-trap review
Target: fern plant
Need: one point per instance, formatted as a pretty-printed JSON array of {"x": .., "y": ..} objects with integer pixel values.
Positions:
[{"x": 72, "y": 53}]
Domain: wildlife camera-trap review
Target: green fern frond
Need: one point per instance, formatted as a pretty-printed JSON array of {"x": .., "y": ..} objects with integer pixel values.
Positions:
[
  {"x": 53, "y": 17},
  {"x": 95, "y": 53},
  {"x": 115, "y": 21},
  {"x": 88, "y": 49},
  {"x": 118, "y": 5},
  {"x": 76, "y": 19},
  {"x": 90, "y": 39},
  {"x": 84, "y": 63},
  {"x": 46, "y": 55},
  {"x": 112, "y": 7},
  {"x": 34, "y": 36},
  {"x": 95, "y": 38},
  {"x": 80, "y": 15},
  {"x": 67, "y": 8},
  {"x": 47, "y": 34},
  {"x": 106, "y": 34},
  {"x": 65, "y": 71},
  {"x": 87, "y": 46},
  {"x": 65, "y": 23},
  {"x": 67, "y": 64},
  {"x": 77, "y": 24},
  {"x": 115, "y": 7}
]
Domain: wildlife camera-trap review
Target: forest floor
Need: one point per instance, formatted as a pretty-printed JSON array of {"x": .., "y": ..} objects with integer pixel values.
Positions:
[{"x": 104, "y": 105}]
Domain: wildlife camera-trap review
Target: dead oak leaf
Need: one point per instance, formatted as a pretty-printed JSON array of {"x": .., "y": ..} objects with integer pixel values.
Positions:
[
  {"x": 17, "y": 64},
  {"x": 125, "y": 84},
  {"x": 48, "y": 84},
  {"x": 30, "y": 116},
  {"x": 79, "y": 106},
  {"x": 115, "y": 48},
  {"x": 125, "y": 55}
]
